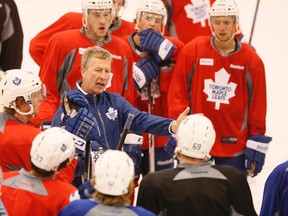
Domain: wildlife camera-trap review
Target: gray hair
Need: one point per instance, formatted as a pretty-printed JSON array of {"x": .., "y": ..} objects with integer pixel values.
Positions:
[{"x": 96, "y": 52}]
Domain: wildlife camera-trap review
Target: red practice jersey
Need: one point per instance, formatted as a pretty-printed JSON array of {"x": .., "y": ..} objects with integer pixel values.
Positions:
[
  {"x": 26, "y": 194},
  {"x": 188, "y": 19},
  {"x": 230, "y": 90},
  {"x": 15, "y": 144}
]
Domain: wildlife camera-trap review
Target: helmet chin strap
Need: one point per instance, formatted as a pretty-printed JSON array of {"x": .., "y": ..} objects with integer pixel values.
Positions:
[{"x": 31, "y": 112}]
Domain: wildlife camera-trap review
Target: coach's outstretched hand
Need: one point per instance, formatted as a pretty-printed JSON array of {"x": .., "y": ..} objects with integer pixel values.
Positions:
[{"x": 175, "y": 124}]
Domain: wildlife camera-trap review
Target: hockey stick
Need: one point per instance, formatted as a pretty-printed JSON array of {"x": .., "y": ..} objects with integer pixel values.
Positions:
[
  {"x": 254, "y": 21},
  {"x": 151, "y": 136},
  {"x": 125, "y": 131},
  {"x": 71, "y": 109},
  {"x": 87, "y": 161}
]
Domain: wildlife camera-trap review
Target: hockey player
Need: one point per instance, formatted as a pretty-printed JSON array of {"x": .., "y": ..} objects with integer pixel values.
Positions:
[
  {"x": 196, "y": 186},
  {"x": 188, "y": 19},
  {"x": 11, "y": 39},
  {"x": 21, "y": 94},
  {"x": 73, "y": 20},
  {"x": 151, "y": 77},
  {"x": 114, "y": 172},
  {"x": 110, "y": 109},
  {"x": 225, "y": 80},
  {"x": 37, "y": 192},
  {"x": 66, "y": 48},
  {"x": 275, "y": 186}
]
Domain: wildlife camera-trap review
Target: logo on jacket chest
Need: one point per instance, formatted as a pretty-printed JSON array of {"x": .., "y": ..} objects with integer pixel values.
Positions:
[{"x": 112, "y": 114}]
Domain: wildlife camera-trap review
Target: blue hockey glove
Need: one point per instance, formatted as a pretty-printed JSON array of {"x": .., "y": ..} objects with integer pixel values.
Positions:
[
  {"x": 133, "y": 147},
  {"x": 84, "y": 127},
  {"x": 154, "y": 43},
  {"x": 86, "y": 190},
  {"x": 144, "y": 71},
  {"x": 255, "y": 152},
  {"x": 170, "y": 146},
  {"x": 74, "y": 100}
]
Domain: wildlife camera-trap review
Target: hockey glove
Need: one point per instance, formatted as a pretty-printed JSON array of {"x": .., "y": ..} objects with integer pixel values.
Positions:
[
  {"x": 86, "y": 190},
  {"x": 154, "y": 43},
  {"x": 255, "y": 152},
  {"x": 84, "y": 126},
  {"x": 133, "y": 147},
  {"x": 144, "y": 71},
  {"x": 73, "y": 100},
  {"x": 170, "y": 146}
]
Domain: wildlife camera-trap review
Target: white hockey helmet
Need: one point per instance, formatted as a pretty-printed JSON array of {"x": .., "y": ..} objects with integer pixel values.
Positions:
[
  {"x": 16, "y": 83},
  {"x": 195, "y": 136},
  {"x": 97, "y": 5},
  {"x": 224, "y": 8},
  {"x": 113, "y": 172},
  {"x": 152, "y": 6},
  {"x": 52, "y": 147}
]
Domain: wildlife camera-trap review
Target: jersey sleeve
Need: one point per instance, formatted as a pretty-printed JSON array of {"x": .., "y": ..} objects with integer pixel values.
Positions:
[
  {"x": 49, "y": 74},
  {"x": 70, "y": 20},
  {"x": 258, "y": 104},
  {"x": 67, "y": 173},
  {"x": 178, "y": 93}
]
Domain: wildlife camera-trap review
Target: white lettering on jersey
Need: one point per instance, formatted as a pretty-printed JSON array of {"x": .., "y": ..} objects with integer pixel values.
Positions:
[
  {"x": 206, "y": 61},
  {"x": 116, "y": 57},
  {"x": 198, "y": 11},
  {"x": 238, "y": 67},
  {"x": 219, "y": 91}
]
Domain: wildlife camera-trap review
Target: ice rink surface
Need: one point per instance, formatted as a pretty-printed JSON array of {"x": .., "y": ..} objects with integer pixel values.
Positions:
[{"x": 269, "y": 39}]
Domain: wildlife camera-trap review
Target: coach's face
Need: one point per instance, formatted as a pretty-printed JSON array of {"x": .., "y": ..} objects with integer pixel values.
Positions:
[{"x": 96, "y": 75}]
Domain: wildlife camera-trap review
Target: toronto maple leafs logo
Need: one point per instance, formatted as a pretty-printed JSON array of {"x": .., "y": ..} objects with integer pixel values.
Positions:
[
  {"x": 112, "y": 114},
  {"x": 219, "y": 91},
  {"x": 198, "y": 11},
  {"x": 16, "y": 81},
  {"x": 63, "y": 147}
]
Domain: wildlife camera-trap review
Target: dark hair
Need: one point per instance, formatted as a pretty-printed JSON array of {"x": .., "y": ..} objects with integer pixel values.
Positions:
[{"x": 48, "y": 174}]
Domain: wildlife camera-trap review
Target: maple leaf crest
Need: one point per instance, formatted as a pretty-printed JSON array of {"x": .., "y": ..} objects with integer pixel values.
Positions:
[
  {"x": 112, "y": 114},
  {"x": 198, "y": 11},
  {"x": 219, "y": 91}
]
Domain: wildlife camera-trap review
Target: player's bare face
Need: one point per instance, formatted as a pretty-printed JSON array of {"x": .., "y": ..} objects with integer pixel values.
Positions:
[
  {"x": 96, "y": 75},
  {"x": 223, "y": 28},
  {"x": 99, "y": 22},
  {"x": 150, "y": 21}
]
